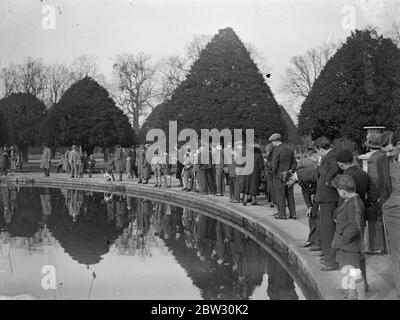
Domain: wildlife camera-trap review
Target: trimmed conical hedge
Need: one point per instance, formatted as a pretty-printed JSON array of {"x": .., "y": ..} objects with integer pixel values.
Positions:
[
  {"x": 86, "y": 115},
  {"x": 23, "y": 114},
  {"x": 3, "y": 130},
  {"x": 359, "y": 86},
  {"x": 224, "y": 89}
]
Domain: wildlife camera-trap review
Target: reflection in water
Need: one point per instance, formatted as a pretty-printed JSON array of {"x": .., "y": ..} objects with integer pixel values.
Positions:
[{"x": 114, "y": 232}]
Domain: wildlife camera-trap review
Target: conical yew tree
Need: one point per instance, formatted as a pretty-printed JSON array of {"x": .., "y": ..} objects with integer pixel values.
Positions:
[
  {"x": 3, "y": 130},
  {"x": 86, "y": 115},
  {"x": 224, "y": 89},
  {"x": 23, "y": 114},
  {"x": 359, "y": 86}
]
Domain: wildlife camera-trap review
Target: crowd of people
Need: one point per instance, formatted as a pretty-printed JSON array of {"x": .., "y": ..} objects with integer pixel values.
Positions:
[
  {"x": 341, "y": 198},
  {"x": 223, "y": 262},
  {"x": 10, "y": 160}
]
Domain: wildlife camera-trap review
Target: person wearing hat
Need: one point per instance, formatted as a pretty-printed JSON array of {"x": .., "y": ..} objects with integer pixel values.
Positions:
[
  {"x": 283, "y": 160},
  {"x": 238, "y": 153},
  {"x": 389, "y": 189},
  {"x": 218, "y": 157},
  {"x": 376, "y": 234},
  {"x": 327, "y": 197},
  {"x": 146, "y": 167},
  {"x": 365, "y": 188}
]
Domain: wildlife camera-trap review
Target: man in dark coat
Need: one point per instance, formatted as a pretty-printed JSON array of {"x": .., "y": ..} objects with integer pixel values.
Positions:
[
  {"x": 132, "y": 154},
  {"x": 376, "y": 234},
  {"x": 307, "y": 179},
  {"x": 365, "y": 187},
  {"x": 327, "y": 197},
  {"x": 283, "y": 160}
]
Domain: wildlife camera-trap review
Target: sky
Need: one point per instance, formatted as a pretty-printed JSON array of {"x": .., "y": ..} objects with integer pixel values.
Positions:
[{"x": 278, "y": 29}]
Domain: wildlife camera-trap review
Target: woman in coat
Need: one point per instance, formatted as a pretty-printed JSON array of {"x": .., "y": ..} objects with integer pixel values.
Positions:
[
  {"x": 252, "y": 181},
  {"x": 146, "y": 167},
  {"x": 119, "y": 161},
  {"x": 388, "y": 168},
  {"x": 66, "y": 166},
  {"x": 45, "y": 160},
  {"x": 138, "y": 162},
  {"x": 4, "y": 161}
]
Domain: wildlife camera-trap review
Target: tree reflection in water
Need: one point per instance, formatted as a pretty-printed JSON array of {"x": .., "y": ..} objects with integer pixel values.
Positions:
[{"x": 221, "y": 261}]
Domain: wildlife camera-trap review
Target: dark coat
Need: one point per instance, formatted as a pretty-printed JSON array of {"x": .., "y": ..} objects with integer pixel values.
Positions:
[
  {"x": 328, "y": 169},
  {"x": 384, "y": 183},
  {"x": 365, "y": 187},
  {"x": 4, "y": 159},
  {"x": 307, "y": 180},
  {"x": 132, "y": 154},
  {"x": 373, "y": 165},
  {"x": 349, "y": 222},
  {"x": 282, "y": 160},
  {"x": 253, "y": 180}
]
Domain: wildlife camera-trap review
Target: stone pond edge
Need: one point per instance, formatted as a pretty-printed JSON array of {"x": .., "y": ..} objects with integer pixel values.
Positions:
[{"x": 299, "y": 262}]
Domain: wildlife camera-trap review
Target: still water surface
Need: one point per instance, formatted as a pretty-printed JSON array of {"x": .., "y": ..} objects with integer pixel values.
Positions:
[{"x": 109, "y": 246}]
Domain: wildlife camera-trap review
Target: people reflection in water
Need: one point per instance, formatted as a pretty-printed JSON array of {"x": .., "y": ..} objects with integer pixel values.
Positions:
[
  {"x": 74, "y": 199},
  {"x": 220, "y": 260},
  {"x": 45, "y": 200},
  {"x": 9, "y": 201},
  {"x": 280, "y": 284},
  {"x": 120, "y": 212},
  {"x": 110, "y": 203}
]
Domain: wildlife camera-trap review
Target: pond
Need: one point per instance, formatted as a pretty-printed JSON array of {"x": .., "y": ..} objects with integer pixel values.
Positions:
[{"x": 75, "y": 244}]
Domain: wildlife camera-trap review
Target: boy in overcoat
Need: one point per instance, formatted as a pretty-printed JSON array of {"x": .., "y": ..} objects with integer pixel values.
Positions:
[{"x": 348, "y": 238}]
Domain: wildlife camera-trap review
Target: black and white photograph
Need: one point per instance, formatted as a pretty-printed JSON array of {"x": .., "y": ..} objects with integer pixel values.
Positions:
[{"x": 214, "y": 154}]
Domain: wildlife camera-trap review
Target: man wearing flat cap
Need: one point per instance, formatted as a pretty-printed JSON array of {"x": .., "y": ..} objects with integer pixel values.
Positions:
[
  {"x": 327, "y": 197},
  {"x": 283, "y": 160},
  {"x": 365, "y": 187}
]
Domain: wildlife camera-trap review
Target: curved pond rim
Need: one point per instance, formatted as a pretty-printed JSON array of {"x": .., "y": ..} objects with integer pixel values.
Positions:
[{"x": 159, "y": 195}]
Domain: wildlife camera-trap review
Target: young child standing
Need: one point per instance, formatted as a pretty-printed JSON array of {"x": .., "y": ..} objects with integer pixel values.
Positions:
[
  {"x": 349, "y": 232},
  {"x": 156, "y": 167},
  {"x": 91, "y": 164},
  {"x": 109, "y": 175}
]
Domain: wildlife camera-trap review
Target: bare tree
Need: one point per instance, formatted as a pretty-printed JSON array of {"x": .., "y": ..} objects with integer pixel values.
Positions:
[
  {"x": 9, "y": 80},
  {"x": 173, "y": 71},
  {"x": 32, "y": 77},
  {"x": 394, "y": 33},
  {"x": 257, "y": 57},
  {"x": 196, "y": 45},
  {"x": 136, "y": 85},
  {"x": 304, "y": 70},
  {"x": 84, "y": 66},
  {"x": 59, "y": 79}
]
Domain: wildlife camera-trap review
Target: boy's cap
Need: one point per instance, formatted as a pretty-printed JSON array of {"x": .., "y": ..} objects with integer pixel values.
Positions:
[
  {"x": 274, "y": 137},
  {"x": 344, "y": 156}
]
